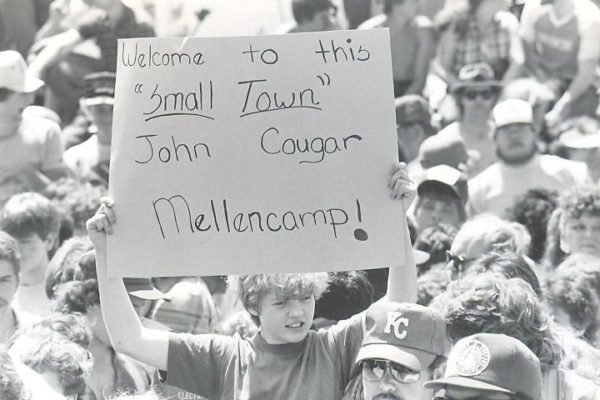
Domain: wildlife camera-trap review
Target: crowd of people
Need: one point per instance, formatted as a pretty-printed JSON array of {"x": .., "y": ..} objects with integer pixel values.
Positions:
[{"x": 498, "y": 126}]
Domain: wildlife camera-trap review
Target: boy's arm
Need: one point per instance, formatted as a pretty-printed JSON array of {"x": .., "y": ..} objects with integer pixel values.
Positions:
[
  {"x": 127, "y": 334},
  {"x": 402, "y": 280}
]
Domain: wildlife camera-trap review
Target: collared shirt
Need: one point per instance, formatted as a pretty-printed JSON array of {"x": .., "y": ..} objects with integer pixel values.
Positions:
[{"x": 492, "y": 45}]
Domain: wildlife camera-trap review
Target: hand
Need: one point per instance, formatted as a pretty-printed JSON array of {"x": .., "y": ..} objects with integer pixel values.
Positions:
[
  {"x": 555, "y": 116},
  {"x": 101, "y": 224},
  {"x": 401, "y": 186}
]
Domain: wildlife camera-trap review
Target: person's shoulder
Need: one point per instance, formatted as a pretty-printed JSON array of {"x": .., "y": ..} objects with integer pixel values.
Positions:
[
  {"x": 507, "y": 20},
  {"x": 554, "y": 163},
  {"x": 39, "y": 129},
  {"x": 576, "y": 387},
  {"x": 423, "y": 22},
  {"x": 377, "y": 21},
  {"x": 587, "y": 14},
  {"x": 485, "y": 178}
]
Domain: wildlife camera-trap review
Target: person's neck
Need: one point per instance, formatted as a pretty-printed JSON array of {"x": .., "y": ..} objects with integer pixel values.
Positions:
[
  {"x": 8, "y": 128},
  {"x": 115, "y": 12},
  {"x": 563, "y": 7},
  {"x": 7, "y": 323},
  {"x": 34, "y": 276},
  {"x": 396, "y": 19},
  {"x": 103, "y": 137},
  {"x": 475, "y": 120}
]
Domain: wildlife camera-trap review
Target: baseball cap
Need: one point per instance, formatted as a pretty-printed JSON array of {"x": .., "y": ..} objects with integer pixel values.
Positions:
[
  {"x": 476, "y": 75},
  {"x": 142, "y": 288},
  {"x": 13, "y": 73},
  {"x": 578, "y": 139},
  {"x": 443, "y": 149},
  {"x": 411, "y": 109},
  {"x": 445, "y": 175},
  {"x": 99, "y": 88},
  {"x": 493, "y": 362},
  {"x": 512, "y": 111},
  {"x": 407, "y": 334}
]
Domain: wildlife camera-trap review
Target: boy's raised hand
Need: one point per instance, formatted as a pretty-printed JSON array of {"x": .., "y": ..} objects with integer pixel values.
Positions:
[
  {"x": 401, "y": 186},
  {"x": 101, "y": 224}
]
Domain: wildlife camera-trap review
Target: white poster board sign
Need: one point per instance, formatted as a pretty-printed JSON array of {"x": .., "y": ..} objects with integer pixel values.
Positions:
[{"x": 254, "y": 154}]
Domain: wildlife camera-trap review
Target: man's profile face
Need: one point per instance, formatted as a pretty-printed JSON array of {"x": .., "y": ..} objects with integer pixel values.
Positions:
[
  {"x": 390, "y": 388},
  {"x": 8, "y": 283},
  {"x": 515, "y": 143}
]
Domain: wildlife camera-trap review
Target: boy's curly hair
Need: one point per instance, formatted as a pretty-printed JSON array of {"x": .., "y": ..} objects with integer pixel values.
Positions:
[
  {"x": 11, "y": 385},
  {"x": 491, "y": 303},
  {"x": 580, "y": 200},
  {"x": 285, "y": 286},
  {"x": 80, "y": 290}
]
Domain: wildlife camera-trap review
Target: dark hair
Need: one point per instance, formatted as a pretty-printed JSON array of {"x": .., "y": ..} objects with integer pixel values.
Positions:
[
  {"x": 30, "y": 213},
  {"x": 508, "y": 264},
  {"x": 388, "y": 5},
  {"x": 81, "y": 292},
  {"x": 347, "y": 294},
  {"x": 305, "y": 10},
  {"x": 71, "y": 326},
  {"x": 435, "y": 240},
  {"x": 9, "y": 251},
  {"x": 431, "y": 284},
  {"x": 570, "y": 289},
  {"x": 64, "y": 265},
  {"x": 533, "y": 210}
]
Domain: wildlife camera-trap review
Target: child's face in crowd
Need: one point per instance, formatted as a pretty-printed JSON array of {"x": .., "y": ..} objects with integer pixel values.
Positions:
[
  {"x": 433, "y": 211},
  {"x": 285, "y": 321},
  {"x": 515, "y": 143},
  {"x": 12, "y": 107},
  {"x": 581, "y": 235},
  {"x": 34, "y": 252},
  {"x": 387, "y": 388},
  {"x": 8, "y": 283}
]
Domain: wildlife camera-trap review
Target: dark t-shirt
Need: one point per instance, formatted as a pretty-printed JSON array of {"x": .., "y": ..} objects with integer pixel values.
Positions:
[{"x": 222, "y": 367}]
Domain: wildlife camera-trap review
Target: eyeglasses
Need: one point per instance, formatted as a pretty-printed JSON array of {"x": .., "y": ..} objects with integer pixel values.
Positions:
[
  {"x": 375, "y": 369},
  {"x": 457, "y": 262},
  {"x": 483, "y": 94}
]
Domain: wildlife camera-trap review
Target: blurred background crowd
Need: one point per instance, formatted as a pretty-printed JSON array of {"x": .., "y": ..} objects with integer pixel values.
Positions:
[{"x": 497, "y": 119}]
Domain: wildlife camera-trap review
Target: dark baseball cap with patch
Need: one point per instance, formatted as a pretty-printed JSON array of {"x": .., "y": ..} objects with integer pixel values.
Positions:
[
  {"x": 492, "y": 362},
  {"x": 443, "y": 175},
  {"x": 404, "y": 333}
]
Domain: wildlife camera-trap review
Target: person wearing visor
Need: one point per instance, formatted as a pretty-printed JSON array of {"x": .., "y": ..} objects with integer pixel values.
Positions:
[
  {"x": 490, "y": 366},
  {"x": 403, "y": 345}
]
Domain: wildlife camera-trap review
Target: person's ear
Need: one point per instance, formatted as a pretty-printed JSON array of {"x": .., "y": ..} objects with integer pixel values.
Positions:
[{"x": 51, "y": 242}]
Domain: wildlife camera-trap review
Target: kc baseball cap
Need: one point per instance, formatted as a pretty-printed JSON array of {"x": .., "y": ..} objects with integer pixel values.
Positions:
[
  {"x": 407, "y": 334},
  {"x": 493, "y": 362},
  {"x": 512, "y": 111},
  {"x": 13, "y": 73},
  {"x": 445, "y": 175},
  {"x": 476, "y": 75}
]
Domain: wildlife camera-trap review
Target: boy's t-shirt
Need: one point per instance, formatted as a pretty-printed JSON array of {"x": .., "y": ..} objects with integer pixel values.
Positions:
[{"x": 223, "y": 367}]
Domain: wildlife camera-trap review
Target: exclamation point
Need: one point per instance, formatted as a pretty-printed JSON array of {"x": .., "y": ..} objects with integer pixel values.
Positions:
[{"x": 359, "y": 233}]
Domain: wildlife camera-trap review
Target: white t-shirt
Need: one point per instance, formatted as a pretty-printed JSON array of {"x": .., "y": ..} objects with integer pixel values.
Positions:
[{"x": 496, "y": 188}]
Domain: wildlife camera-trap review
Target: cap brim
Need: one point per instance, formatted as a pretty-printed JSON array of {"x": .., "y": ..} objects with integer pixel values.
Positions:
[
  {"x": 466, "y": 383},
  {"x": 414, "y": 359},
  {"x": 98, "y": 100},
  {"x": 590, "y": 142},
  {"x": 149, "y": 294},
  {"x": 462, "y": 85},
  {"x": 426, "y": 182},
  {"x": 32, "y": 84},
  {"x": 420, "y": 257}
]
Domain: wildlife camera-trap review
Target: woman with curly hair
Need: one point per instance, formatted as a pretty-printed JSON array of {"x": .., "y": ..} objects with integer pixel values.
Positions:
[
  {"x": 574, "y": 226},
  {"x": 492, "y": 303},
  {"x": 72, "y": 283}
]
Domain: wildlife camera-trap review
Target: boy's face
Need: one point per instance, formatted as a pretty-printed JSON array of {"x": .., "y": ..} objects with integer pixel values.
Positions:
[
  {"x": 433, "y": 210},
  {"x": 34, "y": 252},
  {"x": 581, "y": 234},
  {"x": 285, "y": 321},
  {"x": 12, "y": 107},
  {"x": 8, "y": 283}
]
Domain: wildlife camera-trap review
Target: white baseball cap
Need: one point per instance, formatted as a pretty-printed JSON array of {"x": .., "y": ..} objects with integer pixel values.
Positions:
[
  {"x": 13, "y": 73},
  {"x": 512, "y": 111}
]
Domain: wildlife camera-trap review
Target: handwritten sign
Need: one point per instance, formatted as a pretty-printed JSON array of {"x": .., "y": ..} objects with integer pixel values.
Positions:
[{"x": 254, "y": 154}]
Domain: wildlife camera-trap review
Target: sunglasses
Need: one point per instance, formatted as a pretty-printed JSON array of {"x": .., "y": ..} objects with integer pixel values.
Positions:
[
  {"x": 457, "y": 262},
  {"x": 482, "y": 94},
  {"x": 374, "y": 370}
]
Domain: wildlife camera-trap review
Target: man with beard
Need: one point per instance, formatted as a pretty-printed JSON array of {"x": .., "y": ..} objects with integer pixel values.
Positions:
[
  {"x": 520, "y": 166},
  {"x": 402, "y": 347}
]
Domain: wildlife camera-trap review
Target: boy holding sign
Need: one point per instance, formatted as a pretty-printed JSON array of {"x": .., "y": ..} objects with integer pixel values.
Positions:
[{"x": 283, "y": 361}]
